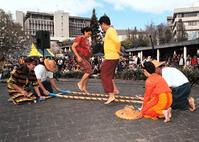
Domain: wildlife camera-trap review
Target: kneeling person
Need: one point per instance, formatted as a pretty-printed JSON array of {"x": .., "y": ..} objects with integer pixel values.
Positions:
[
  {"x": 180, "y": 85},
  {"x": 157, "y": 96},
  {"x": 21, "y": 81},
  {"x": 44, "y": 73}
]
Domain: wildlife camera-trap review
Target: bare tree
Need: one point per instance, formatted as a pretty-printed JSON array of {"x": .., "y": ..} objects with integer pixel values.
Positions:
[
  {"x": 151, "y": 31},
  {"x": 136, "y": 39},
  {"x": 181, "y": 33},
  {"x": 168, "y": 35},
  {"x": 164, "y": 34}
]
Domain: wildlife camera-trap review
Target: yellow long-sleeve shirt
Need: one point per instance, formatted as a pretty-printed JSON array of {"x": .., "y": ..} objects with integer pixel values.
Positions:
[{"x": 111, "y": 45}]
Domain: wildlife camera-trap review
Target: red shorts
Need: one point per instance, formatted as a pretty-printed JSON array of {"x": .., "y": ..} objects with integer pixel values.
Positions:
[
  {"x": 107, "y": 74},
  {"x": 85, "y": 66}
]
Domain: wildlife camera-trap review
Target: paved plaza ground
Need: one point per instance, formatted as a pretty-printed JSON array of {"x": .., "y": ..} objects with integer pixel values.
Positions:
[{"x": 62, "y": 120}]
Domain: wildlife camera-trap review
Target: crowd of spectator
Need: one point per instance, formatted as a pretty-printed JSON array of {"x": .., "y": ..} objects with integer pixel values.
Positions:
[
  {"x": 68, "y": 63},
  {"x": 177, "y": 60}
]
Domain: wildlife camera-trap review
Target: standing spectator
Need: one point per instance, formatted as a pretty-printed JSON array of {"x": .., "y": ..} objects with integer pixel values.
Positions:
[
  {"x": 188, "y": 61},
  {"x": 194, "y": 61},
  {"x": 148, "y": 58},
  {"x": 82, "y": 51},
  {"x": 60, "y": 63},
  {"x": 181, "y": 61},
  {"x": 175, "y": 60},
  {"x": 135, "y": 59},
  {"x": 143, "y": 60},
  {"x": 111, "y": 57}
]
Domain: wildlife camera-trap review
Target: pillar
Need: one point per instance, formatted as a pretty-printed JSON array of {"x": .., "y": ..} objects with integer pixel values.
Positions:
[
  {"x": 185, "y": 53},
  {"x": 158, "y": 54},
  {"x": 141, "y": 55}
]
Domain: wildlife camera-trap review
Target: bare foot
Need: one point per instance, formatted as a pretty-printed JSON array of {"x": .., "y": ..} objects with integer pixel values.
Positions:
[
  {"x": 192, "y": 104},
  {"x": 79, "y": 86},
  {"x": 110, "y": 99},
  {"x": 140, "y": 97},
  {"x": 167, "y": 114},
  {"x": 85, "y": 91},
  {"x": 10, "y": 100}
]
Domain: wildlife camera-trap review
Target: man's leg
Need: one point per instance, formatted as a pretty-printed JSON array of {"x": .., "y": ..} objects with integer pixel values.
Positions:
[
  {"x": 116, "y": 90},
  {"x": 107, "y": 74},
  {"x": 192, "y": 105},
  {"x": 180, "y": 97}
]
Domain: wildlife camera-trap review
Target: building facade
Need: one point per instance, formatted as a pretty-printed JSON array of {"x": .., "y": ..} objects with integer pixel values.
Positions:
[
  {"x": 59, "y": 24},
  {"x": 190, "y": 19}
]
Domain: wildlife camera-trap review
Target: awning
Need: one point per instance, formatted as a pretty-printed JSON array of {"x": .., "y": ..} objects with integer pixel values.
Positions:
[{"x": 35, "y": 52}]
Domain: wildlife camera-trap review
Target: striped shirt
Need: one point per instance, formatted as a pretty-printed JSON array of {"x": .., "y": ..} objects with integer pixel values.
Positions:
[{"x": 22, "y": 76}]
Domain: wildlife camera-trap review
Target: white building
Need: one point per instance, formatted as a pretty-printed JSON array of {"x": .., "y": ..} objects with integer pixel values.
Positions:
[
  {"x": 190, "y": 19},
  {"x": 59, "y": 24}
]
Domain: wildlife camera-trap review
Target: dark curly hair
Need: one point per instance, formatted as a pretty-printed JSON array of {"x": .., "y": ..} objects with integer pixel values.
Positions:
[
  {"x": 86, "y": 29},
  {"x": 105, "y": 19}
]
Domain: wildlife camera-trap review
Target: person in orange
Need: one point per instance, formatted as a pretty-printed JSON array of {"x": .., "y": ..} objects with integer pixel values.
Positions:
[
  {"x": 82, "y": 51},
  {"x": 157, "y": 97}
]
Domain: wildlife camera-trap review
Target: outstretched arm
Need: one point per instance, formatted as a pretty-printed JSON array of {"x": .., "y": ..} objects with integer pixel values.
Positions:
[{"x": 54, "y": 84}]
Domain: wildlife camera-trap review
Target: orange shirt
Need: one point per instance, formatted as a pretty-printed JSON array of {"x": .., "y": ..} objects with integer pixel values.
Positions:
[{"x": 154, "y": 86}]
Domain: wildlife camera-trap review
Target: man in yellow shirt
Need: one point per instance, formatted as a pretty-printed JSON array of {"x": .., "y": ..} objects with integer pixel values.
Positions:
[{"x": 111, "y": 58}]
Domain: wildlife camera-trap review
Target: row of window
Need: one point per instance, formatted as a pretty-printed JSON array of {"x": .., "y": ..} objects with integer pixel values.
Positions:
[
  {"x": 192, "y": 23},
  {"x": 193, "y": 14},
  {"x": 78, "y": 21},
  {"x": 33, "y": 21},
  {"x": 48, "y": 28},
  {"x": 77, "y": 24},
  {"x": 41, "y": 17},
  {"x": 42, "y": 28},
  {"x": 39, "y": 25}
]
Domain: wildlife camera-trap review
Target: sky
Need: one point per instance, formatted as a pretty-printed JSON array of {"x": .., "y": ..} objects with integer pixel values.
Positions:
[{"x": 124, "y": 14}]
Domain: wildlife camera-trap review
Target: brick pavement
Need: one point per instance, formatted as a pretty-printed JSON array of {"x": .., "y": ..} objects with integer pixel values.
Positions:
[{"x": 61, "y": 120}]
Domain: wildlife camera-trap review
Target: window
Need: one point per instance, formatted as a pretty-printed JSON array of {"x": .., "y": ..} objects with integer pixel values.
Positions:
[
  {"x": 193, "y": 14},
  {"x": 192, "y": 23}
]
